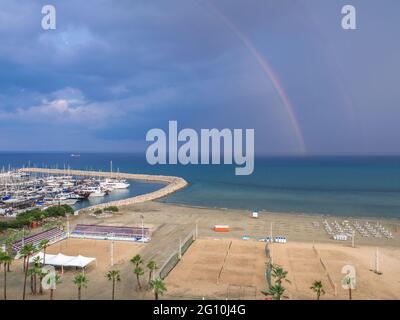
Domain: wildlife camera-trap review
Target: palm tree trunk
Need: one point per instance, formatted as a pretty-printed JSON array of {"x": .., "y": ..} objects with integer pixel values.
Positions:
[
  {"x": 79, "y": 293},
  {"x": 51, "y": 294},
  {"x": 32, "y": 288},
  {"x": 318, "y": 294},
  {"x": 150, "y": 274},
  {"x": 5, "y": 282},
  {"x": 40, "y": 284},
  {"x": 43, "y": 264},
  {"x": 34, "y": 282},
  {"x": 26, "y": 275},
  {"x": 8, "y": 267},
  {"x": 113, "y": 290},
  {"x": 24, "y": 263},
  {"x": 156, "y": 295},
  {"x": 349, "y": 293},
  {"x": 138, "y": 280}
]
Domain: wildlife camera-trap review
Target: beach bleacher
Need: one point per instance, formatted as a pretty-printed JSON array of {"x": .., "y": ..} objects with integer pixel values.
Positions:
[
  {"x": 53, "y": 235},
  {"x": 92, "y": 231}
]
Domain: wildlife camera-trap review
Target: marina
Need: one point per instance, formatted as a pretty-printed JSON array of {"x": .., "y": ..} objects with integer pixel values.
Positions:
[
  {"x": 21, "y": 191},
  {"x": 30, "y": 188}
]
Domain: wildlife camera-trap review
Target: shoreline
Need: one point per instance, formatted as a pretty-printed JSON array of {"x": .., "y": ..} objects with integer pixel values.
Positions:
[
  {"x": 297, "y": 214},
  {"x": 174, "y": 184}
]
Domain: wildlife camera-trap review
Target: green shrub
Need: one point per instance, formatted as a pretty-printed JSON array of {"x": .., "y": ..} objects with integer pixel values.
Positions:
[
  {"x": 111, "y": 209},
  {"x": 98, "y": 211},
  {"x": 58, "y": 211},
  {"x": 27, "y": 217}
]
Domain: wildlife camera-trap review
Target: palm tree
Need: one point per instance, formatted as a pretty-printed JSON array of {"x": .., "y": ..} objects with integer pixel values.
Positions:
[
  {"x": 24, "y": 255},
  {"x": 139, "y": 272},
  {"x": 41, "y": 276},
  {"x": 43, "y": 246},
  {"x": 39, "y": 264},
  {"x": 137, "y": 260},
  {"x": 348, "y": 282},
  {"x": 57, "y": 280},
  {"x": 31, "y": 273},
  {"x": 6, "y": 260},
  {"x": 152, "y": 266},
  {"x": 26, "y": 251},
  {"x": 38, "y": 272},
  {"x": 113, "y": 276},
  {"x": 279, "y": 274},
  {"x": 158, "y": 285},
  {"x": 9, "y": 249},
  {"x": 276, "y": 292},
  {"x": 318, "y": 288},
  {"x": 81, "y": 282}
]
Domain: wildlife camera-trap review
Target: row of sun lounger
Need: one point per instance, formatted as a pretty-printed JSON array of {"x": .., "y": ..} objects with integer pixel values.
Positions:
[
  {"x": 278, "y": 239},
  {"x": 347, "y": 229},
  {"x": 370, "y": 230}
]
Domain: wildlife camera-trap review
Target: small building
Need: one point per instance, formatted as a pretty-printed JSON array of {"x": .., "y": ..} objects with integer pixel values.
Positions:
[{"x": 221, "y": 228}]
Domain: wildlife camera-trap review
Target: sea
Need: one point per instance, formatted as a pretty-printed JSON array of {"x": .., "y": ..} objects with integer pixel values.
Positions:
[{"x": 351, "y": 186}]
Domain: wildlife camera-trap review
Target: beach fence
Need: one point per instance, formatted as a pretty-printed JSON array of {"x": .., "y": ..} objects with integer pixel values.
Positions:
[
  {"x": 268, "y": 269},
  {"x": 239, "y": 292},
  {"x": 331, "y": 282},
  {"x": 222, "y": 267},
  {"x": 174, "y": 258}
]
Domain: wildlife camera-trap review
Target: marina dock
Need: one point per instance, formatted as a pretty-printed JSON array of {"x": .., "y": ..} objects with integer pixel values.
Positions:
[{"x": 173, "y": 184}]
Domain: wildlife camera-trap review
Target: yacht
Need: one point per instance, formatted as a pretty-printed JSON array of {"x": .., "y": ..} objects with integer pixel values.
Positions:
[
  {"x": 114, "y": 184},
  {"x": 95, "y": 192},
  {"x": 66, "y": 198}
]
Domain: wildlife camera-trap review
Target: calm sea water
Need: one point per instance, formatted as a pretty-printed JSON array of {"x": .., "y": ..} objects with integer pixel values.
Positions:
[{"x": 345, "y": 186}]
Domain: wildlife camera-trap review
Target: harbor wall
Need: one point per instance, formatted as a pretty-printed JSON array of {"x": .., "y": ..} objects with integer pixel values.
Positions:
[{"x": 173, "y": 184}]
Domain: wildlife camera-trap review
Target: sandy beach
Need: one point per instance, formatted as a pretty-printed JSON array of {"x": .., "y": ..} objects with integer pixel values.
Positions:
[
  {"x": 295, "y": 227},
  {"x": 221, "y": 265}
]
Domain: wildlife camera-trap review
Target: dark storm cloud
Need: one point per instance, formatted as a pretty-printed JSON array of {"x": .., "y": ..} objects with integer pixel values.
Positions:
[{"x": 114, "y": 69}]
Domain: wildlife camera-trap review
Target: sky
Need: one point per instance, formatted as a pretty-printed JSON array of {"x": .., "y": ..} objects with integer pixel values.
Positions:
[{"x": 112, "y": 70}]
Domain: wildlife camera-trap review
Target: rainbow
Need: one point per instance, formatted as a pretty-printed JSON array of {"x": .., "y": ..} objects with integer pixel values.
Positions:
[{"x": 262, "y": 61}]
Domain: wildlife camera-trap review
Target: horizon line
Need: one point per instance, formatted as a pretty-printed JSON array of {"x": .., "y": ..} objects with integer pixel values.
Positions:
[{"x": 273, "y": 154}]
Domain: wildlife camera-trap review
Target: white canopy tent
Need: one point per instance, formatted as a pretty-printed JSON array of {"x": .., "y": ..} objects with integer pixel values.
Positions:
[
  {"x": 62, "y": 260},
  {"x": 80, "y": 261}
]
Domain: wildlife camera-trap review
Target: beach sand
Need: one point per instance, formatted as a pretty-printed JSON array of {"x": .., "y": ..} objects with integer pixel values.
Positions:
[
  {"x": 219, "y": 269},
  {"x": 234, "y": 269},
  {"x": 324, "y": 263},
  {"x": 295, "y": 227},
  {"x": 208, "y": 269},
  {"x": 98, "y": 287}
]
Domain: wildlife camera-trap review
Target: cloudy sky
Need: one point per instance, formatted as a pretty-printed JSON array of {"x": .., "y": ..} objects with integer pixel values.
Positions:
[{"x": 112, "y": 70}]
